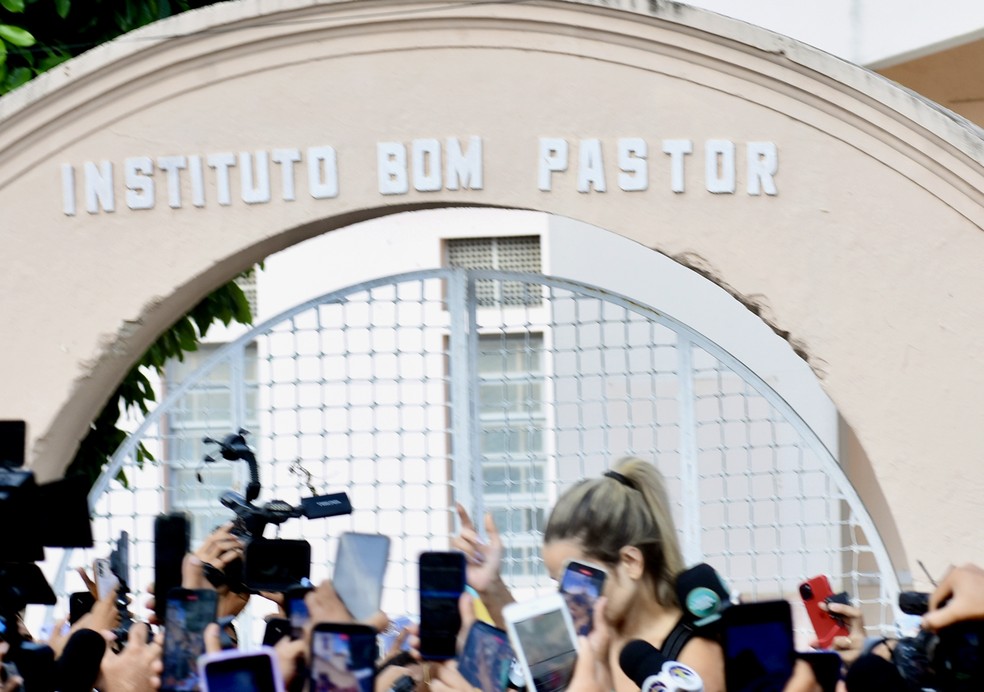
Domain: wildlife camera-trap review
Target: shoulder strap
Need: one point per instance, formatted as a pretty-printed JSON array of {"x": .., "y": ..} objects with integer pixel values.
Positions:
[{"x": 682, "y": 633}]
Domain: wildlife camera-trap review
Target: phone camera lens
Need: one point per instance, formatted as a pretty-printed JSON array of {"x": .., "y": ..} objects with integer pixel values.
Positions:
[{"x": 806, "y": 592}]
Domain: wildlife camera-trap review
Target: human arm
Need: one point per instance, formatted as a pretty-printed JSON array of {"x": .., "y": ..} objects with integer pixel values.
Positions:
[
  {"x": 959, "y": 597},
  {"x": 706, "y": 657},
  {"x": 483, "y": 560}
]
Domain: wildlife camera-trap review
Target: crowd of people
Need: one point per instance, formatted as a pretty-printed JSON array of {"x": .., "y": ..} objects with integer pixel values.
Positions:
[{"x": 620, "y": 520}]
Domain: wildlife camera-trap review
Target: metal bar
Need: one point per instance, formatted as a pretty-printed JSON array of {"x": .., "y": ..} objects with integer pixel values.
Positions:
[{"x": 689, "y": 472}]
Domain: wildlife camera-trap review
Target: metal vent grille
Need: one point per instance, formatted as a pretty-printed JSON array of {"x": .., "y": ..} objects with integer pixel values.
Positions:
[
  {"x": 247, "y": 282},
  {"x": 513, "y": 254}
]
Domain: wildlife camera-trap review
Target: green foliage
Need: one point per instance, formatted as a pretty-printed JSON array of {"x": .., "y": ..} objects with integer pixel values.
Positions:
[
  {"x": 36, "y": 35},
  {"x": 227, "y": 304}
]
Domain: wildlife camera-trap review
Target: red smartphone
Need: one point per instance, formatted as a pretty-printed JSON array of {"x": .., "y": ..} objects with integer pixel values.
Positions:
[{"x": 826, "y": 625}]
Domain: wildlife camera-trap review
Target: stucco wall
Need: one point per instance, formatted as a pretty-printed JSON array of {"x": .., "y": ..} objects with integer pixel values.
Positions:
[{"x": 868, "y": 254}]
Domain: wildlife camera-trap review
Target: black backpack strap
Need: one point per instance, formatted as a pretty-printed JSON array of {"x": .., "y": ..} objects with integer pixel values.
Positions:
[{"x": 682, "y": 633}]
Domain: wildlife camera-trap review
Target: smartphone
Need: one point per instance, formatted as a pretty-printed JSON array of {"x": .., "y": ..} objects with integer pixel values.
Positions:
[
  {"x": 581, "y": 585},
  {"x": 542, "y": 635},
  {"x": 172, "y": 541},
  {"x": 187, "y": 612},
  {"x": 343, "y": 657},
  {"x": 826, "y": 667},
  {"x": 442, "y": 581},
  {"x": 757, "y": 639},
  {"x": 79, "y": 603},
  {"x": 826, "y": 625},
  {"x": 106, "y": 581},
  {"x": 276, "y": 564},
  {"x": 240, "y": 671},
  {"x": 119, "y": 560},
  {"x": 275, "y": 630},
  {"x": 486, "y": 658},
  {"x": 297, "y": 610},
  {"x": 360, "y": 564}
]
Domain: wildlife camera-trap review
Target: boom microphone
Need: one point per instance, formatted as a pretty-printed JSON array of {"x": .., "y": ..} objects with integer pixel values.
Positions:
[
  {"x": 653, "y": 672},
  {"x": 78, "y": 666},
  {"x": 702, "y": 594}
]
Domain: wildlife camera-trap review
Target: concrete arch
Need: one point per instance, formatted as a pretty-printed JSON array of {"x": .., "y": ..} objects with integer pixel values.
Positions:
[{"x": 867, "y": 254}]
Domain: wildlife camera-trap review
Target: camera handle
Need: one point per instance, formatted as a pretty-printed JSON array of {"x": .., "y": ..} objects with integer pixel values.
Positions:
[{"x": 233, "y": 447}]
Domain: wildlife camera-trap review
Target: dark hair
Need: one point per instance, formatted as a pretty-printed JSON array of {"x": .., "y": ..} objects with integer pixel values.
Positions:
[{"x": 627, "y": 508}]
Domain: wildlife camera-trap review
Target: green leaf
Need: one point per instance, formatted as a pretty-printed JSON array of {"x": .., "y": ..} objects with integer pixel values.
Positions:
[
  {"x": 13, "y": 5},
  {"x": 3, "y": 58},
  {"x": 52, "y": 61},
  {"x": 62, "y": 7},
  {"x": 17, "y": 77},
  {"x": 16, "y": 36}
]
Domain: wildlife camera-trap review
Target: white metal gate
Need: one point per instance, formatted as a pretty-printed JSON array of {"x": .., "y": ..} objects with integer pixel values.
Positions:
[{"x": 497, "y": 390}]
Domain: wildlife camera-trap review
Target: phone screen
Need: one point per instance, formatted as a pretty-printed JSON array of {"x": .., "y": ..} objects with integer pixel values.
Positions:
[
  {"x": 582, "y": 585},
  {"x": 271, "y": 564},
  {"x": 442, "y": 580},
  {"x": 106, "y": 581},
  {"x": 253, "y": 672},
  {"x": 171, "y": 542},
  {"x": 548, "y": 649},
  {"x": 758, "y": 646},
  {"x": 188, "y": 612},
  {"x": 360, "y": 564},
  {"x": 297, "y": 611},
  {"x": 487, "y": 658},
  {"x": 343, "y": 658}
]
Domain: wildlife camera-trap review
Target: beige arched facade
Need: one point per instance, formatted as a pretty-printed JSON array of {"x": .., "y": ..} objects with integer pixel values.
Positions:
[{"x": 844, "y": 210}]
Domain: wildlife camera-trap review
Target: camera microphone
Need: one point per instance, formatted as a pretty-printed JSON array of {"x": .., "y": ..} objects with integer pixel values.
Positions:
[
  {"x": 78, "y": 666},
  {"x": 702, "y": 594},
  {"x": 652, "y": 671}
]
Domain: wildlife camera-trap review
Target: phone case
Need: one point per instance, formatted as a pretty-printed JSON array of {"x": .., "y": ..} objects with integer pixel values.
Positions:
[
  {"x": 814, "y": 592},
  {"x": 106, "y": 581},
  {"x": 442, "y": 580},
  {"x": 360, "y": 565},
  {"x": 240, "y": 670},
  {"x": 542, "y": 635}
]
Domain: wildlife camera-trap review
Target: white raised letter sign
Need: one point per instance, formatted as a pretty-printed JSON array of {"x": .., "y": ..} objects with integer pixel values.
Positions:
[
  {"x": 632, "y": 154},
  {"x": 391, "y": 163},
  {"x": 763, "y": 162},
  {"x": 139, "y": 183},
  {"x": 553, "y": 157},
  {"x": 719, "y": 166}
]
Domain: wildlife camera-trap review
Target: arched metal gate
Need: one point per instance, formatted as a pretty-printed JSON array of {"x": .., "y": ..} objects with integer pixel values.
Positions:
[{"x": 496, "y": 390}]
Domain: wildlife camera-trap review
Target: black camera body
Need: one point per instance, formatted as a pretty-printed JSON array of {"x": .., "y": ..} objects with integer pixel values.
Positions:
[
  {"x": 951, "y": 660},
  {"x": 267, "y": 564}
]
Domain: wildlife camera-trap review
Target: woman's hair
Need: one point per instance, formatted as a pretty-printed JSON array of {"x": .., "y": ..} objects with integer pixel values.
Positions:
[{"x": 629, "y": 507}]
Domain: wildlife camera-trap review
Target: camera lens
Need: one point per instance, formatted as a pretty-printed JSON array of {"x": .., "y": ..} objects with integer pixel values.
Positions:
[{"x": 806, "y": 592}]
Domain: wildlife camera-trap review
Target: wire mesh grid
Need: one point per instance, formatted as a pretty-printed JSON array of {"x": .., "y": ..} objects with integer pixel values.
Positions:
[{"x": 353, "y": 391}]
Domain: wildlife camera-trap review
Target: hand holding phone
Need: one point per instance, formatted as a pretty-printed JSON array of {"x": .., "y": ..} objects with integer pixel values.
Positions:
[
  {"x": 442, "y": 581},
  {"x": 543, "y": 637},
  {"x": 827, "y": 625},
  {"x": 106, "y": 581},
  {"x": 582, "y": 585}
]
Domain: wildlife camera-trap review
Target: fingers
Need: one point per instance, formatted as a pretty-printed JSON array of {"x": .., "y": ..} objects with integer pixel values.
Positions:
[
  {"x": 466, "y": 522},
  {"x": 491, "y": 530},
  {"x": 378, "y": 621},
  {"x": 213, "y": 638},
  {"x": 803, "y": 679},
  {"x": 137, "y": 637},
  {"x": 87, "y": 580}
]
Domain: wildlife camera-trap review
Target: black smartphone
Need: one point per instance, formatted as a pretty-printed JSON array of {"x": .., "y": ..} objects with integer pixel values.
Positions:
[
  {"x": 442, "y": 580},
  {"x": 486, "y": 658},
  {"x": 187, "y": 612},
  {"x": 276, "y": 629},
  {"x": 343, "y": 657},
  {"x": 360, "y": 565},
  {"x": 297, "y": 610},
  {"x": 172, "y": 538},
  {"x": 79, "y": 603},
  {"x": 757, "y": 639},
  {"x": 271, "y": 564},
  {"x": 826, "y": 667},
  {"x": 582, "y": 584}
]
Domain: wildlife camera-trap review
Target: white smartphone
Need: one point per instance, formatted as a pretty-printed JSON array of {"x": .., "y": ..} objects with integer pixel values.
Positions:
[
  {"x": 236, "y": 671},
  {"x": 106, "y": 581},
  {"x": 543, "y": 638},
  {"x": 360, "y": 564}
]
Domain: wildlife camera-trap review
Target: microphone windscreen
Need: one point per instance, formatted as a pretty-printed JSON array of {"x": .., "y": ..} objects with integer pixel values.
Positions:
[
  {"x": 701, "y": 592},
  {"x": 78, "y": 666},
  {"x": 640, "y": 659}
]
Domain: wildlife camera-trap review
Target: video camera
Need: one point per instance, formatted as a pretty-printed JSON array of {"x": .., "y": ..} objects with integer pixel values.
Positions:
[
  {"x": 268, "y": 564},
  {"x": 50, "y": 515},
  {"x": 948, "y": 661}
]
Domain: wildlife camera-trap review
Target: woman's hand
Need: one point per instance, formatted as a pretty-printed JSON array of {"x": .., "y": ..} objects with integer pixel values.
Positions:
[{"x": 483, "y": 558}]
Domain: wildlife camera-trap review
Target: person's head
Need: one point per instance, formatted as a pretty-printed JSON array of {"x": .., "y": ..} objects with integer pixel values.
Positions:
[{"x": 621, "y": 521}]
